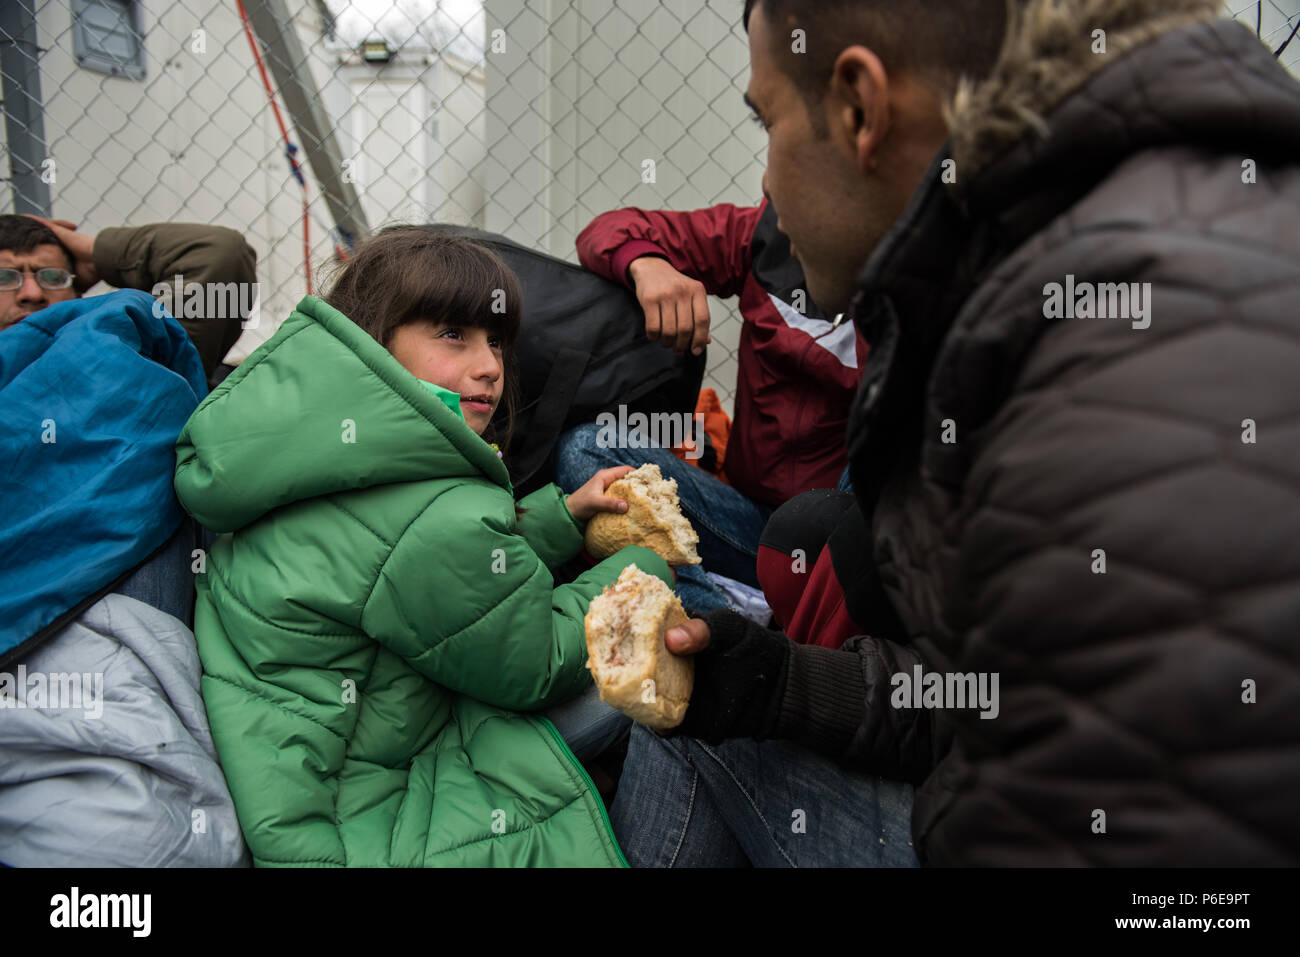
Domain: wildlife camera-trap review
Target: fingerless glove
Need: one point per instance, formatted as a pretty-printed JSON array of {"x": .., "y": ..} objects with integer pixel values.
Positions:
[{"x": 739, "y": 681}]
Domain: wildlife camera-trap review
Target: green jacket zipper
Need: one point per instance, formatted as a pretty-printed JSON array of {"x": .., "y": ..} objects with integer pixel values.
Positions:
[{"x": 600, "y": 803}]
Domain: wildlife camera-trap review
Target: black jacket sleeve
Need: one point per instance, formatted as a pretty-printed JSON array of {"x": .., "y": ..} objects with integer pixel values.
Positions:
[
  {"x": 754, "y": 682},
  {"x": 837, "y": 702}
]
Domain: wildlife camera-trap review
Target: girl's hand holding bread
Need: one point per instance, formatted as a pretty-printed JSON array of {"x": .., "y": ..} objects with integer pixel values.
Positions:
[{"x": 591, "y": 499}]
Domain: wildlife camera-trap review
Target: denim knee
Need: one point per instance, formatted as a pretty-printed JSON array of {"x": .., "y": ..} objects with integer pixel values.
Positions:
[{"x": 577, "y": 456}]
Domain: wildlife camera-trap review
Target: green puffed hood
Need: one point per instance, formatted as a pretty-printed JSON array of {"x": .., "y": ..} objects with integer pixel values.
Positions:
[{"x": 337, "y": 412}]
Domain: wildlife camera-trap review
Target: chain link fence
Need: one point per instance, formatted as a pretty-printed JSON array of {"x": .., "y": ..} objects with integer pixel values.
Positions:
[{"x": 527, "y": 119}]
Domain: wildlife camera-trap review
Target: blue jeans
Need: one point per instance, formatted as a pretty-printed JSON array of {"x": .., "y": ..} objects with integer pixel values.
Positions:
[
  {"x": 683, "y": 803},
  {"x": 729, "y": 523},
  {"x": 165, "y": 581},
  {"x": 587, "y": 725}
]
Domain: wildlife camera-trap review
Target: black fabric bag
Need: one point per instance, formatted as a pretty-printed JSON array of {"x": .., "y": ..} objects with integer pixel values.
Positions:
[{"x": 582, "y": 351}]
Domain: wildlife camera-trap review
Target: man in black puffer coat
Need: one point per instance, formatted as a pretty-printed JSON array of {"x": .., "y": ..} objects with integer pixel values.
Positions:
[{"x": 1076, "y": 447}]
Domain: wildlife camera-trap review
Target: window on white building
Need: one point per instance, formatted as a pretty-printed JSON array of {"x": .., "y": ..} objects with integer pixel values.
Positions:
[{"x": 106, "y": 36}]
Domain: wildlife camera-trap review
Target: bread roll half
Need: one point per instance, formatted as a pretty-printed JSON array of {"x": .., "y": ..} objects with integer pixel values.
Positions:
[
  {"x": 653, "y": 518},
  {"x": 626, "y": 656}
]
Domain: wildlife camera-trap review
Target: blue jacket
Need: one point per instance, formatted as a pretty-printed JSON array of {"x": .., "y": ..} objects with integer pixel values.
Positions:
[{"x": 94, "y": 393}]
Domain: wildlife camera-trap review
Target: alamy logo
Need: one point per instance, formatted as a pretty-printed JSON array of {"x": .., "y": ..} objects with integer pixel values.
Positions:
[
  {"x": 658, "y": 430},
  {"x": 946, "y": 690},
  {"x": 53, "y": 691},
  {"x": 209, "y": 300},
  {"x": 1106, "y": 300},
  {"x": 103, "y": 910}
]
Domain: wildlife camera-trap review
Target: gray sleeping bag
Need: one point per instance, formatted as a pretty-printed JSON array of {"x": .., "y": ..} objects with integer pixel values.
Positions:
[{"x": 106, "y": 759}]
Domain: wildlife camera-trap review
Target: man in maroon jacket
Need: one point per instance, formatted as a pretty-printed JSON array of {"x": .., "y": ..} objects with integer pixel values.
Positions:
[{"x": 797, "y": 370}]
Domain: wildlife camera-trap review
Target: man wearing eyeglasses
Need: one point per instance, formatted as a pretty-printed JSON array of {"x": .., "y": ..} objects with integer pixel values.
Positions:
[
  {"x": 33, "y": 278},
  {"x": 96, "y": 555},
  {"x": 43, "y": 262}
]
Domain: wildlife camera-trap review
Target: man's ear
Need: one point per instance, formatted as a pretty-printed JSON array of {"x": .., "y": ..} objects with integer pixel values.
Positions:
[{"x": 858, "y": 103}]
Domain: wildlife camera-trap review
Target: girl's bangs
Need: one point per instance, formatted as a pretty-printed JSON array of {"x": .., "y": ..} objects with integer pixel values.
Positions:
[{"x": 466, "y": 285}]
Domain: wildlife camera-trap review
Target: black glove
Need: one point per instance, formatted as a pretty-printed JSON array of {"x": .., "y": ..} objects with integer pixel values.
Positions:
[{"x": 739, "y": 681}]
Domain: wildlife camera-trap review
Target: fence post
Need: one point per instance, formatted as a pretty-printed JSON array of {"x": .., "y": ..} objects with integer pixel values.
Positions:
[{"x": 23, "y": 107}]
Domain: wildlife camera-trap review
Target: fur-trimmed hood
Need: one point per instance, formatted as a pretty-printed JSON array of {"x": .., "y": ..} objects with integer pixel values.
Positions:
[{"x": 1048, "y": 54}]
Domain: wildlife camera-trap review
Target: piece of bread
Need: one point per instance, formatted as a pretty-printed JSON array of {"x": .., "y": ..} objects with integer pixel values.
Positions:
[
  {"x": 653, "y": 518},
  {"x": 626, "y": 655}
]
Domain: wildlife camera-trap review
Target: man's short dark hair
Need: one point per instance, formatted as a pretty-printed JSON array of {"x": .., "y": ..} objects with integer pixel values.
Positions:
[
  {"x": 21, "y": 234},
  {"x": 938, "y": 41}
]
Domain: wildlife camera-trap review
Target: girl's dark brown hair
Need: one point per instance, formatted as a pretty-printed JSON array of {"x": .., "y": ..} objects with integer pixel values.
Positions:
[{"x": 407, "y": 274}]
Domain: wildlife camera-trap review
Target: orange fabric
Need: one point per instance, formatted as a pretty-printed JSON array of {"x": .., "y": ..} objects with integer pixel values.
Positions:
[{"x": 717, "y": 426}]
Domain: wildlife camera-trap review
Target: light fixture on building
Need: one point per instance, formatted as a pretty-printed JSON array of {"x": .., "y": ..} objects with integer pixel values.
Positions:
[{"x": 376, "y": 51}]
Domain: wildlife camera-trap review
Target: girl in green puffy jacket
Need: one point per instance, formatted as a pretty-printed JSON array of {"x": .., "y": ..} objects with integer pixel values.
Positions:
[
  {"x": 464, "y": 364},
  {"x": 378, "y": 624}
]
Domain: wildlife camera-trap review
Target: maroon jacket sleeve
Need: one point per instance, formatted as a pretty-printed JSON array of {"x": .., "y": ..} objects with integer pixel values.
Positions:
[{"x": 711, "y": 245}]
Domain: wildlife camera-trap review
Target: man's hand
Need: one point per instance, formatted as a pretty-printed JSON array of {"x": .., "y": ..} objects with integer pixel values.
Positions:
[
  {"x": 688, "y": 639},
  {"x": 740, "y": 675},
  {"x": 591, "y": 497},
  {"x": 80, "y": 246},
  {"x": 676, "y": 306}
]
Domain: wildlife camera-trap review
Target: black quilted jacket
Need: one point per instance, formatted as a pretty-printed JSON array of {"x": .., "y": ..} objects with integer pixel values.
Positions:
[{"x": 1002, "y": 456}]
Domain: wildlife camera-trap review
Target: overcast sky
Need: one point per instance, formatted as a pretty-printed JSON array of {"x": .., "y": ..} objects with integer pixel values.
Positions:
[{"x": 455, "y": 24}]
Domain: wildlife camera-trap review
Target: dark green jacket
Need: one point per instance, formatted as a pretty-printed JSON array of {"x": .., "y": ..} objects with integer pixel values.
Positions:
[
  {"x": 375, "y": 623},
  {"x": 140, "y": 257}
]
